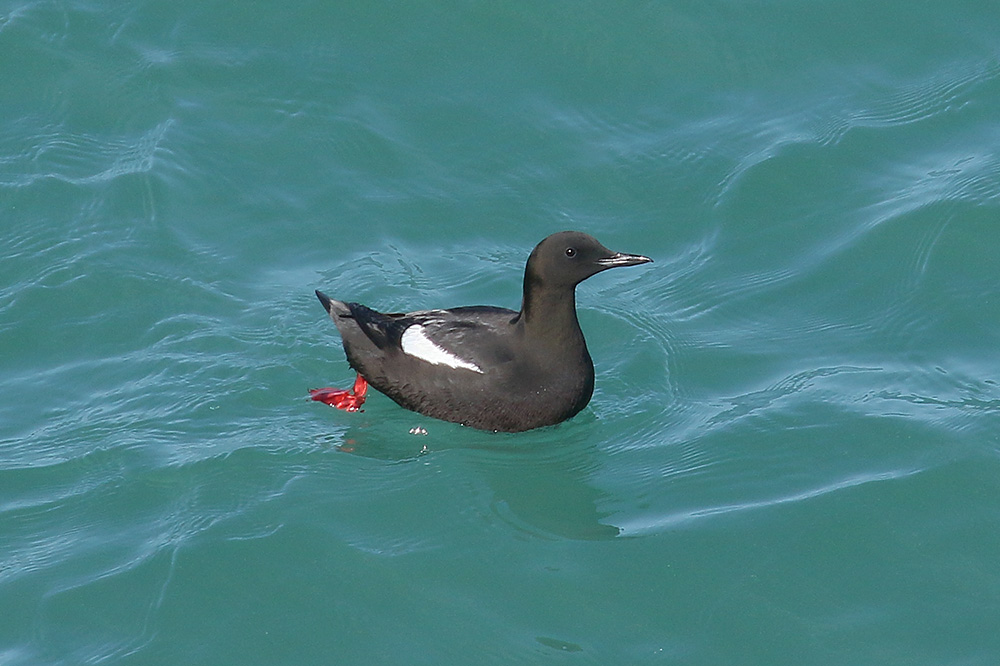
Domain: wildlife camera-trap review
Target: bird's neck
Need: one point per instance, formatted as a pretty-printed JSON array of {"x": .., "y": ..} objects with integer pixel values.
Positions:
[{"x": 550, "y": 315}]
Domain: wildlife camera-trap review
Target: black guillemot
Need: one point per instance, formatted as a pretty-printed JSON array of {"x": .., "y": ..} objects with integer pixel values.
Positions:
[{"x": 486, "y": 367}]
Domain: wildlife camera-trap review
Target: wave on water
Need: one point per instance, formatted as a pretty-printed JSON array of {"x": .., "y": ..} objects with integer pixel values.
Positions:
[
  {"x": 946, "y": 91},
  {"x": 854, "y": 105},
  {"x": 842, "y": 292},
  {"x": 79, "y": 158}
]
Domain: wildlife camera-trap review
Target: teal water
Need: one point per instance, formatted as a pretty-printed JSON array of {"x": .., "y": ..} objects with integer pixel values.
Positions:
[{"x": 793, "y": 451}]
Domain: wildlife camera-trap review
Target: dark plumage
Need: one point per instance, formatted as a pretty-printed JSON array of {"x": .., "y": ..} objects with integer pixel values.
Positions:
[{"x": 485, "y": 367}]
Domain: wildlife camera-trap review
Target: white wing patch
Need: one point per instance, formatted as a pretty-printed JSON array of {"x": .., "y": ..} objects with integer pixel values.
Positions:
[{"x": 416, "y": 343}]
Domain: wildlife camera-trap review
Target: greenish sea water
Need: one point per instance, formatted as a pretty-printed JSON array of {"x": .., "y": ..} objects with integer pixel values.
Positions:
[{"x": 792, "y": 455}]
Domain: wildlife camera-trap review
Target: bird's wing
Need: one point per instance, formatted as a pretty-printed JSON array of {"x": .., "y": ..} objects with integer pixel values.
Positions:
[
  {"x": 474, "y": 338},
  {"x": 469, "y": 337},
  {"x": 383, "y": 329}
]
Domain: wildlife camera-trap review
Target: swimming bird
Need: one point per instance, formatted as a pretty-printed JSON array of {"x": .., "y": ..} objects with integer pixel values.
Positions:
[{"x": 486, "y": 367}]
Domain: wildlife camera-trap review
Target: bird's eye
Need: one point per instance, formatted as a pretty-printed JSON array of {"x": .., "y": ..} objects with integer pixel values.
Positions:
[{"x": 570, "y": 252}]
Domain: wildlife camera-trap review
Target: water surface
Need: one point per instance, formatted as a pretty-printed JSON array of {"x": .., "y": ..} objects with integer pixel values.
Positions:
[{"x": 792, "y": 454}]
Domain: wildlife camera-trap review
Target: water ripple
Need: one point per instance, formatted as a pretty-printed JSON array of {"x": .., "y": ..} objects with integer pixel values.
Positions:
[
  {"x": 827, "y": 122},
  {"x": 79, "y": 158},
  {"x": 656, "y": 523},
  {"x": 947, "y": 90}
]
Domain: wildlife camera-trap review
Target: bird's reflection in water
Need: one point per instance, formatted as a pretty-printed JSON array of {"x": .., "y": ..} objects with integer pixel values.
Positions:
[{"x": 541, "y": 483}]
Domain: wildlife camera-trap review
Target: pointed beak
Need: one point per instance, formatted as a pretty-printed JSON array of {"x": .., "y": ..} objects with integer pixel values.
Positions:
[
  {"x": 324, "y": 299},
  {"x": 622, "y": 259}
]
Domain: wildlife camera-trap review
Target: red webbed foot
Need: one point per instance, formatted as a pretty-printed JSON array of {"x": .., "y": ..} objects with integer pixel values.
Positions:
[{"x": 350, "y": 401}]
